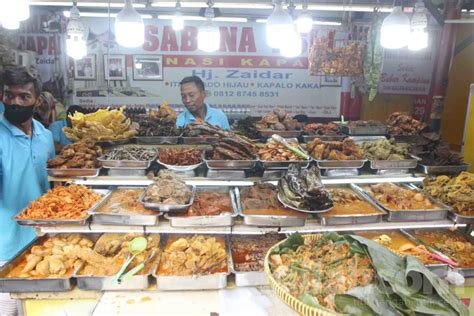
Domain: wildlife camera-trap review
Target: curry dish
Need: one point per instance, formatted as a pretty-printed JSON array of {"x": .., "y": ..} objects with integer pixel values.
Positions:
[
  {"x": 400, "y": 244},
  {"x": 397, "y": 198},
  {"x": 347, "y": 202},
  {"x": 193, "y": 255},
  {"x": 452, "y": 244},
  {"x": 125, "y": 201},
  {"x": 209, "y": 204}
]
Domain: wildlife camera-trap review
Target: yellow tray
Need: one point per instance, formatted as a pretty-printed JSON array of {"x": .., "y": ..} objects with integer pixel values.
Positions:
[{"x": 300, "y": 307}]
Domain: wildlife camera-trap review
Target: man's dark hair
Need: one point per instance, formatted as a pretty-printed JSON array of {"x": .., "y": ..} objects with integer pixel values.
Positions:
[
  {"x": 198, "y": 81},
  {"x": 75, "y": 108},
  {"x": 19, "y": 75}
]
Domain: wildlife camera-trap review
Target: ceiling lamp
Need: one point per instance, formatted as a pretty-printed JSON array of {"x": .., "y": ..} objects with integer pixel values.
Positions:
[
  {"x": 395, "y": 29},
  {"x": 280, "y": 26},
  {"x": 76, "y": 46},
  {"x": 129, "y": 27},
  {"x": 419, "y": 22},
  {"x": 13, "y": 12},
  {"x": 304, "y": 22},
  {"x": 293, "y": 47},
  {"x": 178, "y": 19},
  {"x": 209, "y": 37}
]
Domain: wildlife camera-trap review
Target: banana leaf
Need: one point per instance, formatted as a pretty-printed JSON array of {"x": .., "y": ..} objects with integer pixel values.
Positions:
[
  {"x": 370, "y": 297},
  {"x": 351, "y": 305},
  {"x": 291, "y": 243},
  {"x": 395, "y": 270}
]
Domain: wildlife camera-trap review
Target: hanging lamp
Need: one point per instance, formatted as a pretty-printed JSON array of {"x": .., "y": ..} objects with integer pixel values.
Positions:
[
  {"x": 76, "y": 46},
  {"x": 178, "y": 20},
  {"x": 304, "y": 22},
  {"x": 395, "y": 29},
  {"x": 280, "y": 27},
  {"x": 209, "y": 38},
  {"x": 129, "y": 27},
  {"x": 419, "y": 22}
]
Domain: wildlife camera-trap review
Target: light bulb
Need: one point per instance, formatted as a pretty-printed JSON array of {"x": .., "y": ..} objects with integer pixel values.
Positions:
[
  {"x": 10, "y": 24},
  {"x": 293, "y": 47},
  {"x": 22, "y": 9},
  {"x": 418, "y": 40},
  {"x": 76, "y": 48},
  {"x": 304, "y": 23},
  {"x": 209, "y": 38},
  {"x": 279, "y": 27},
  {"x": 395, "y": 30},
  {"x": 178, "y": 21},
  {"x": 129, "y": 27}
]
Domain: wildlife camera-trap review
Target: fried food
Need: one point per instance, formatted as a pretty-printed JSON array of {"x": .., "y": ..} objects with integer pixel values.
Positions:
[
  {"x": 457, "y": 192},
  {"x": 404, "y": 124},
  {"x": 54, "y": 257},
  {"x": 321, "y": 268},
  {"x": 180, "y": 156},
  {"x": 279, "y": 120},
  {"x": 82, "y": 154},
  {"x": 104, "y": 124},
  {"x": 384, "y": 149},
  {"x": 246, "y": 127},
  {"x": 345, "y": 150},
  {"x": 62, "y": 202},
  {"x": 344, "y": 60},
  {"x": 168, "y": 189},
  {"x": 434, "y": 152},
  {"x": 274, "y": 151},
  {"x": 320, "y": 129},
  {"x": 132, "y": 152},
  {"x": 111, "y": 251},
  {"x": 161, "y": 122},
  {"x": 190, "y": 255},
  {"x": 233, "y": 148},
  {"x": 399, "y": 198}
]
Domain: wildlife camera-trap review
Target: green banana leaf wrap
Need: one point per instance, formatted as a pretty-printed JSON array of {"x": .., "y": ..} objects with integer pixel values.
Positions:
[{"x": 373, "y": 61}]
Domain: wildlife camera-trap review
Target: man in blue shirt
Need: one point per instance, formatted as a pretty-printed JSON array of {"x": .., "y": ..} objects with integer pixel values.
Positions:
[
  {"x": 193, "y": 94},
  {"x": 25, "y": 147},
  {"x": 56, "y": 128}
]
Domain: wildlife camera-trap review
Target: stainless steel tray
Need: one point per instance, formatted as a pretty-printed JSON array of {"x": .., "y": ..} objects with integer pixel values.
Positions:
[
  {"x": 267, "y": 164},
  {"x": 355, "y": 218},
  {"x": 110, "y": 143},
  {"x": 393, "y": 164},
  {"x": 200, "y": 140},
  {"x": 212, "y": 281},
  {"x": 54, "y": 284},
  {"x": 405, "y": 138},
  {"x": 225, "y": 219},
  {"x": 439, "y": 213},
  {"x": 107, "y": 283},
  {"x": 460, "y": 219},
  {"x": 228, "y": 164},
  {"x": 125, "y": 164},
  {"x": 121, "y": 218},
  {"x": 442, "y": 169},
  {"x": 73, "y": 173},
  {"x": 181, "y": 168},
  {"x": 340, "y": 164},
  {"x": 157, "y": 140},
  {"x": 58, "y": 221},
  {"x": 268, "y": 220},
  {"x": 169, "y": 207},
  {"x": 364, "y": 130},
  {"x": 284, "y": 134},
  {"x": 326, "y": 138}
]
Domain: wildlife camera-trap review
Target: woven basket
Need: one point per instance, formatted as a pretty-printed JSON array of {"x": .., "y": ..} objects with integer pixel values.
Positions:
[{"x": 290, "y": 300}]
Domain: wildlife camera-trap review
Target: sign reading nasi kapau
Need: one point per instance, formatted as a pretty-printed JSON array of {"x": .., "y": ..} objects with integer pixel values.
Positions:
[{"x": 244, "y": 74}]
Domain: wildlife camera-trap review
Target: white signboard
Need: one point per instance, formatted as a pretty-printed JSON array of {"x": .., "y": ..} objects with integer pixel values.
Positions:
[
  {"x": 243, "y": 75},
  {"x": 407, "y": 72}
]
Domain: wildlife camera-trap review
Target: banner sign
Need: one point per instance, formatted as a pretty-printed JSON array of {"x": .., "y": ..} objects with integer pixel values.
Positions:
[{"x": 244, "y": 76}]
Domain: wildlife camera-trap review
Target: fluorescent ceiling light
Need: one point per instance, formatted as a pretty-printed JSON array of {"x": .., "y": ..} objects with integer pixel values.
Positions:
[
  {"x": 83, "y": 4},
  {"x": 200, "y": 18},
  {"x": 102, "y": 15},
  {"x": 314, "y": 22}
]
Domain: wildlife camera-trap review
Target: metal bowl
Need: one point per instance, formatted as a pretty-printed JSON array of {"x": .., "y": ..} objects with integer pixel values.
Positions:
[{"x": 299, "y": 209}]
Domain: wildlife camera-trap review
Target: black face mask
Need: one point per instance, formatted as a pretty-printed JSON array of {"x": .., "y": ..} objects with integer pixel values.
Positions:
[{"x": 17, "y": 114}]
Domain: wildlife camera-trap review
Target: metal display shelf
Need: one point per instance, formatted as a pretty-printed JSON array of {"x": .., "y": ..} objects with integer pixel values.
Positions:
[
  {"x": 312, "y": 226},
  {"x": 200, "y": 181}
]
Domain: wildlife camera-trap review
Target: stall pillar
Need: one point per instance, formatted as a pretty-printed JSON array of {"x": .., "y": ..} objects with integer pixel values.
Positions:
[{"x": 443, "y": 63}]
